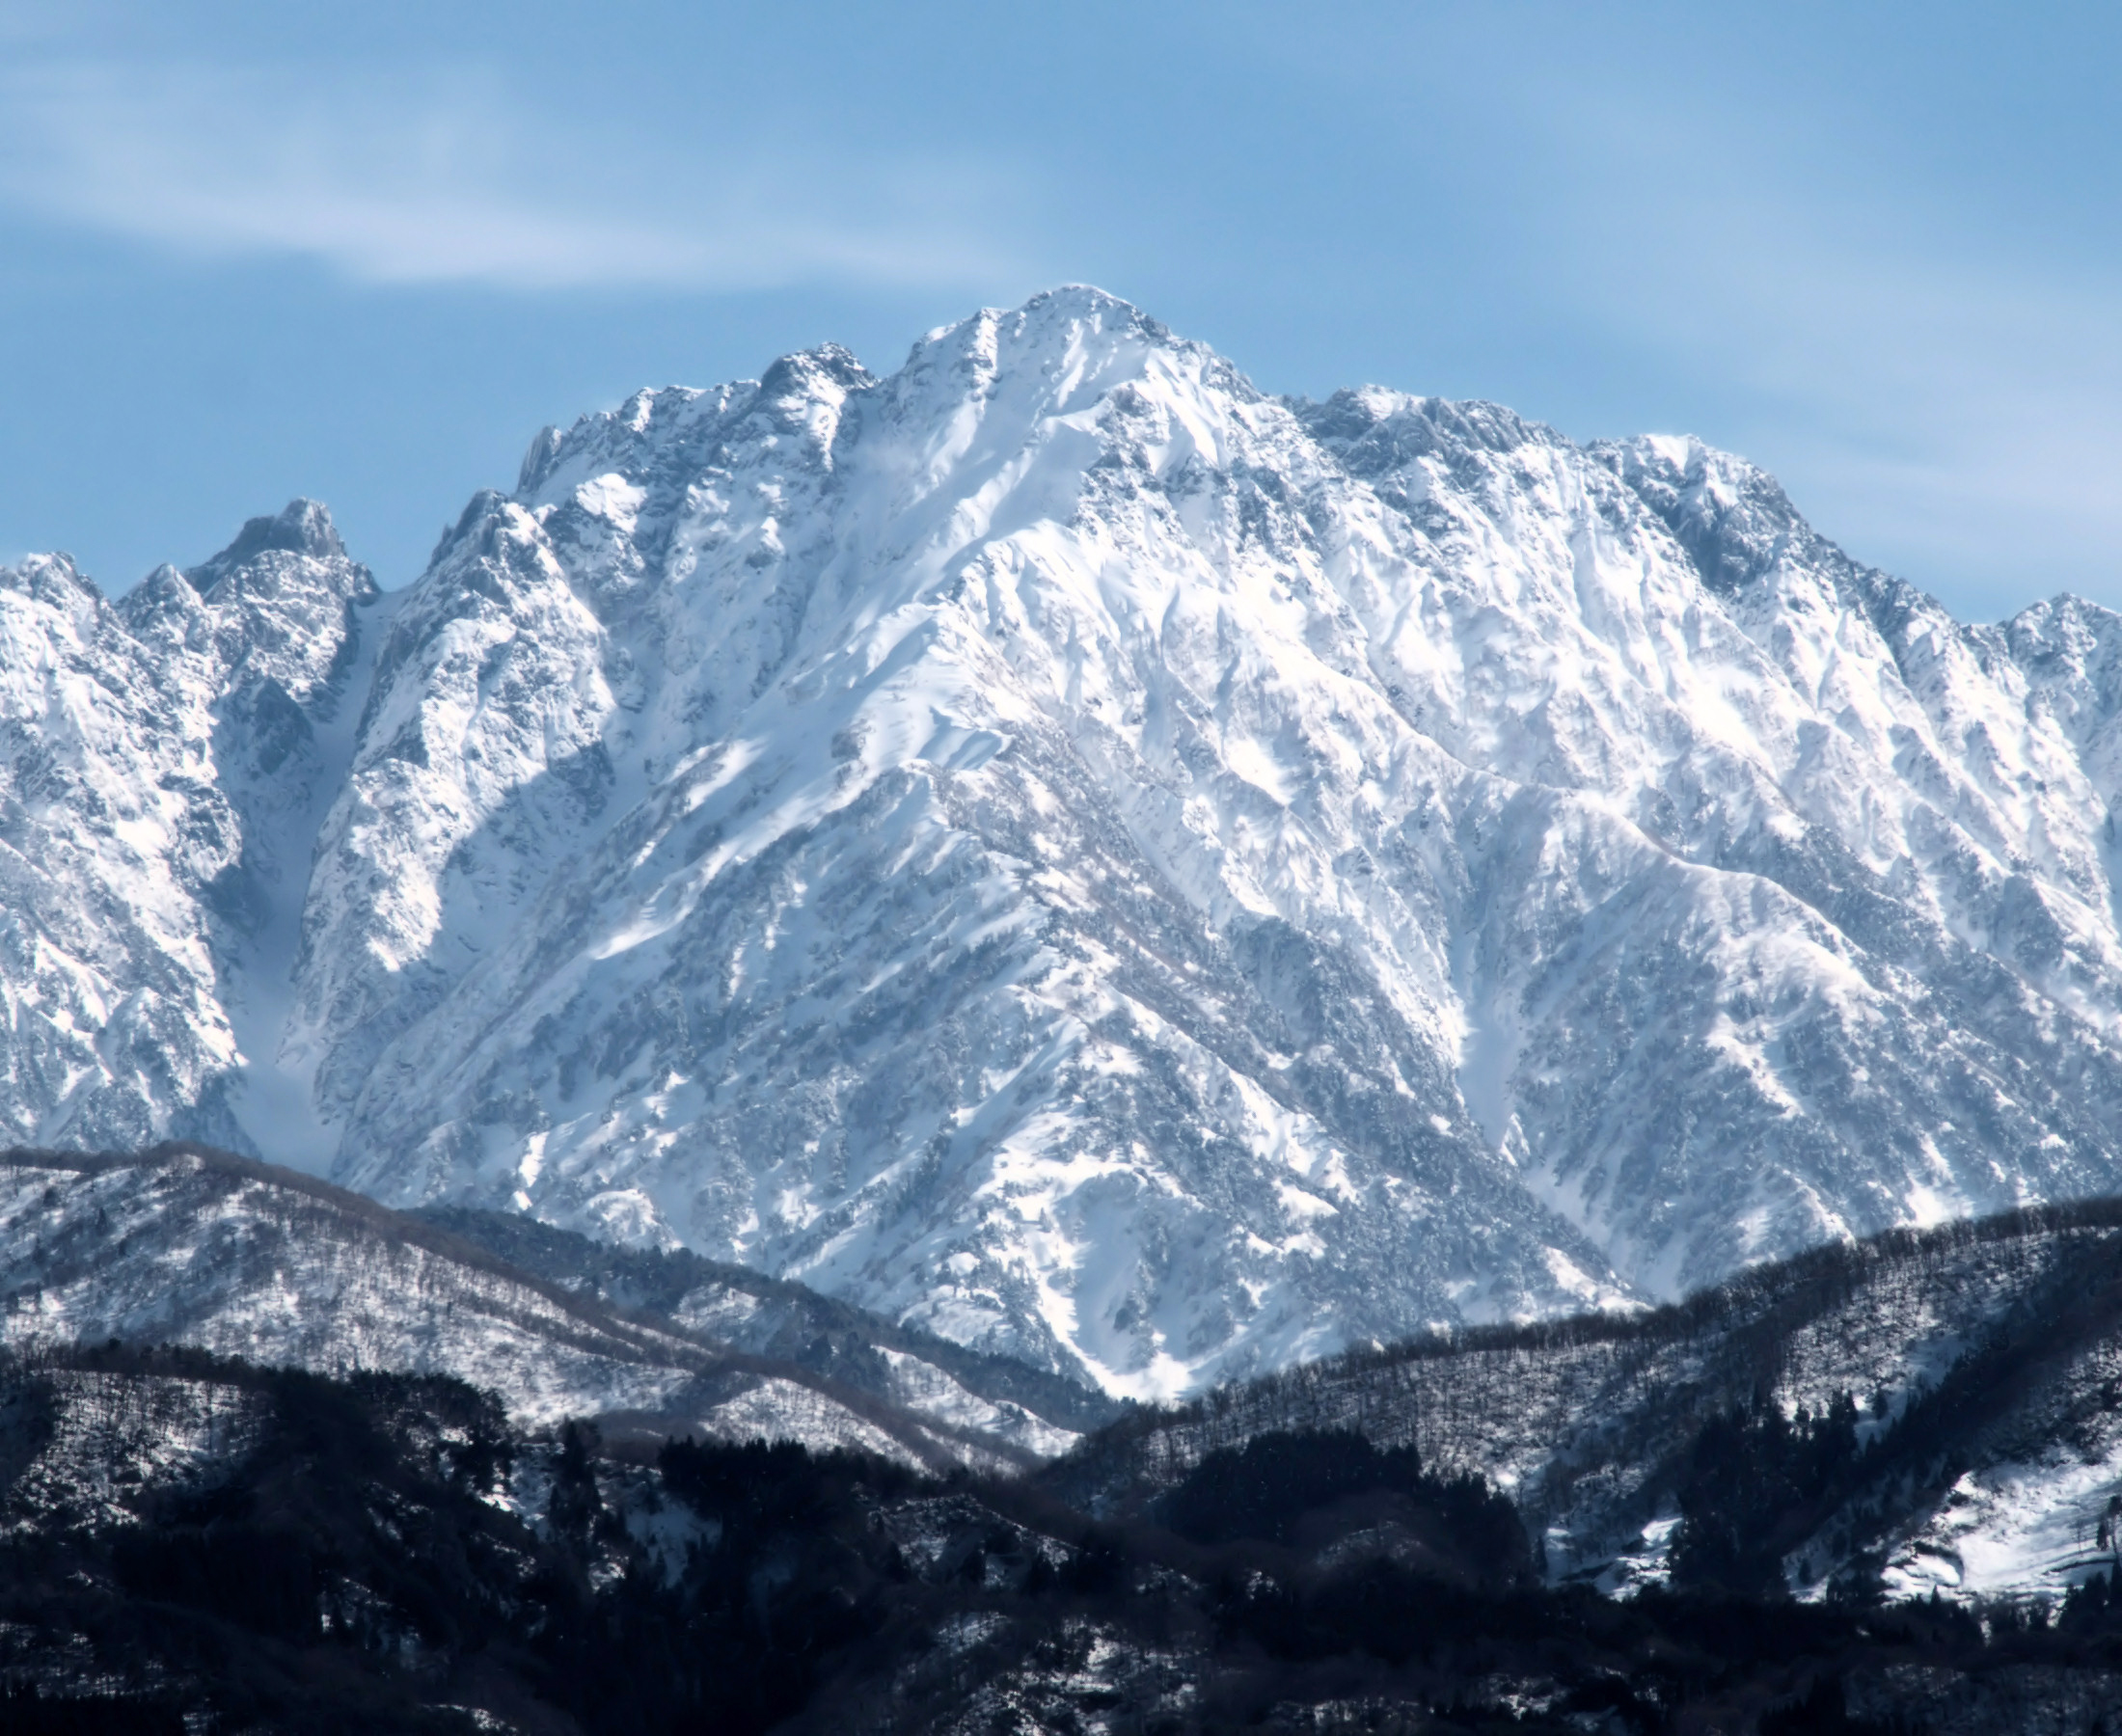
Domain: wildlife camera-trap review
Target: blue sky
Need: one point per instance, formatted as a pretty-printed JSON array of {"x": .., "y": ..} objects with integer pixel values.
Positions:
[{"x": 249, "y": 251}]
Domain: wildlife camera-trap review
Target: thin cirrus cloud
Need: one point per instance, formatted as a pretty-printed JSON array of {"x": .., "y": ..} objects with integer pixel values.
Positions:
[
  {"x": 1937, "y": 390},
  {"x": 439, "y": 180},
  {"x": 1959, "y": 415},
  {"x": 1949, "y": 417}
]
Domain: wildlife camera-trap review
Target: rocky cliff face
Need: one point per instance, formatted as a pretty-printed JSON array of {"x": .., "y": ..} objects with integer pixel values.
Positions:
[{"x": 1070, "y": 852}]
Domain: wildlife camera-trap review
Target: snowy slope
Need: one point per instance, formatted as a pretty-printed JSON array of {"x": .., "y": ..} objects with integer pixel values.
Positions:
[
  {"x": 264, "y": 654},
  {"x": 110, "y": 837},
  {"x": 1063, "y": 850},
  {"x": 185, "y": 1246}
]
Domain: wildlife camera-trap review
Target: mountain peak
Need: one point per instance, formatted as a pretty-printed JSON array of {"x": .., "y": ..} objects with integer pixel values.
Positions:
[
  {"x": 1375, "y": 431},
  {"x": 303, "y": 526},
  {"x": 1064, "y": 304},
  {"x": 52, "y": 579},
  {"x": 830, "y": 365},
  {"x": 1731, "y": 516}
]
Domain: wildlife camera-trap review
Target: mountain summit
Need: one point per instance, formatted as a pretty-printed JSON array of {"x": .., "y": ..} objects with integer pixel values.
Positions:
[{"x": 1079, "y": 855}]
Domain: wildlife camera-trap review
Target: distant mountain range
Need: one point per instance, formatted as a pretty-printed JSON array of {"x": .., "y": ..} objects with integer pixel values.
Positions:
[{"x": 1083, "y": 861}]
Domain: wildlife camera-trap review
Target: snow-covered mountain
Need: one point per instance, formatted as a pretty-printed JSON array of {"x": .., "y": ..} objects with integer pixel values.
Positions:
[
  {"x": 1069, "y": 851},
  {"x": 159, "y": 758}
]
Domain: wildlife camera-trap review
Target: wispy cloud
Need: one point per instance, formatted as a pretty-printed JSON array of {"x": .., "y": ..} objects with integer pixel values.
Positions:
[
  {"x": 1943, "y": 404},
  {"x": 447, "y": 179},
  {"x": 1957, "y": 419}
]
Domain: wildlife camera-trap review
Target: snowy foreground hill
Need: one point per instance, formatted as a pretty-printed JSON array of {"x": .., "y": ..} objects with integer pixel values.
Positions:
[
  {"x": 1077, "y": 857},
  {"x": 1984, "y": 1361},
  {"x": 1872, "y": 1488},
  {"x": 191, "y": 1247}
]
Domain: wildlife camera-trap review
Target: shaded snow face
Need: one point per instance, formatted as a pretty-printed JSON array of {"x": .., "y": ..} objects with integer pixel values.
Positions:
[
  {"x": 161, "y": 762},
  {"x": 1062, "y": 849}
]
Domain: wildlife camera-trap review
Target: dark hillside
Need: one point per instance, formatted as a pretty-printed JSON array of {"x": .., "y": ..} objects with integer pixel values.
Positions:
[
  {"x": 384, "y": 1553},
  {"x": 1851, "y": 1388}
]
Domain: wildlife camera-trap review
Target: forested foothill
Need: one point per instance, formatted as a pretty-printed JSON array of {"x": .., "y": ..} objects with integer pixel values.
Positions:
[
  {"x": 786, "y": 1320},
  {"x": 1802, "y": 1428},
  {"x": 195, "y": 1544}
]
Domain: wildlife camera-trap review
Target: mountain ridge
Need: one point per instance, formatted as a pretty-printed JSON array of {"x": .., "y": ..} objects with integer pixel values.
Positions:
[
  {"x": 1977, "y": 1362},
  {"x": 185, "y": 1245}
]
